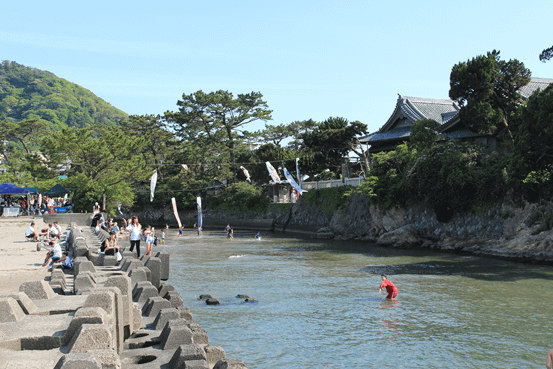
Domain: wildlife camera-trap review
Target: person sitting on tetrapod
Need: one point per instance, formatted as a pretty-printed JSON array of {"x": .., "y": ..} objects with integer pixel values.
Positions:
[
  {"x": 53, "y": 255},
  {"x": 109, "y": 247}
]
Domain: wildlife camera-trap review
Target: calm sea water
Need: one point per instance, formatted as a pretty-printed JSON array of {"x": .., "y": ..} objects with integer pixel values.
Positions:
[{"x": 318, "y": 304}]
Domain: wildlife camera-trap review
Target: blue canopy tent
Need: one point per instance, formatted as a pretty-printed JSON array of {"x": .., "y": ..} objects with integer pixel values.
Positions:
[
  {"x": 12, "y": 190},
  {"x": 57, "y": 190},
  {"x": 32, "y": 190}
]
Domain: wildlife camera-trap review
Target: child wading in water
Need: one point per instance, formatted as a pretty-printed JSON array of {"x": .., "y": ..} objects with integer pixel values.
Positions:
[
  {"x": 163, "y": 238},
  {"x": 390, "y": 288}
]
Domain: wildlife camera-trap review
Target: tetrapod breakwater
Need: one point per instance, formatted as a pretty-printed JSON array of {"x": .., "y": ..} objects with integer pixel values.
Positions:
[{"x": 104, "y": 313}]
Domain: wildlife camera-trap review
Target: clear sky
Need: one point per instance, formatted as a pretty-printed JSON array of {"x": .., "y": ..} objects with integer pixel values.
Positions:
[{"x": 309, "y": 59}]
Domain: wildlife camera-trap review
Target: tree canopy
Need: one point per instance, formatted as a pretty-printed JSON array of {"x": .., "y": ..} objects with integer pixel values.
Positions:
[
  {"x": 546, "y": 54},
  {"x": 103, "y": 160},
  {"x": 328, "y": 143},
  {"x": 488, "y": 90}
]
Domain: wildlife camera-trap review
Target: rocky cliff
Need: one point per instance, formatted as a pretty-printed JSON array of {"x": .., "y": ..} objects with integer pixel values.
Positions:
[{"x": 504, "y": 231}]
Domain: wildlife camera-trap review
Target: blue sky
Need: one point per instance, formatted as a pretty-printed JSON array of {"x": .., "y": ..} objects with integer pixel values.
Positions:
[{"x": 309, "y": 59}]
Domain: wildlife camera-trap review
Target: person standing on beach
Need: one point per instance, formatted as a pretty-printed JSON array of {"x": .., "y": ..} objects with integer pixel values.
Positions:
[
  {"x": 148, "y": 239},
  {"x": 390, "y": 288},
  {"x": 136, "y": 232}
]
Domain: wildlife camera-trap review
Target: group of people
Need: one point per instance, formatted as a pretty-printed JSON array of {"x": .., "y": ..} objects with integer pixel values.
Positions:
[
  {"x": 7, "y": 201},
  {"x": 197, "y": 228},
  {"x": 53, "y": 231},
  {"x": 52, "y": 234},
  {"x": 47, "y": 204},
  {"x": 136, "y": 234},
  {"x": 55, "y": 255}
]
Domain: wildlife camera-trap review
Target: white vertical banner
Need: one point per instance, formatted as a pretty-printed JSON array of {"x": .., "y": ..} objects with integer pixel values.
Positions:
[
  {"x": 174, "y": 202},
  {"x": 200, "y": 216},
  {"x": 153, "y": 182},
  {"x": 298, "y": 171}
]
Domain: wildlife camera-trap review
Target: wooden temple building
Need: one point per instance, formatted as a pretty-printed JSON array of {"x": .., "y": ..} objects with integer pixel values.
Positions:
[{"x": 408, "y": 110}]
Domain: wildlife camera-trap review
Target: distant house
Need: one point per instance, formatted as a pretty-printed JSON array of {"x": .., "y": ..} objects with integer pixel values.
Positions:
[
  {"x": 216, "y": 187},
  {"x": 408, "y": 110}
]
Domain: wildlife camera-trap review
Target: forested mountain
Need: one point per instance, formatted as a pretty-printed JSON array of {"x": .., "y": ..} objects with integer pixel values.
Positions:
[{"x": 27, "y": 93}]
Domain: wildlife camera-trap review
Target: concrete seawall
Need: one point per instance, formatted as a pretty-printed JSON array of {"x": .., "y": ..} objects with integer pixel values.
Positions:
[{"x": 104, "y": 313}]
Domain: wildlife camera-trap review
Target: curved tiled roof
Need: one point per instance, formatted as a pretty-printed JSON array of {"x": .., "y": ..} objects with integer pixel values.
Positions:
[
  {"x": 416, "y": 108},
  {"x": 387, "y": 135},
  {"x": 534, "y": 85}
]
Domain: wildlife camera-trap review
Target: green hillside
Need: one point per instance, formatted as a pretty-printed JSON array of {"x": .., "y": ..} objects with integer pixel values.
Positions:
[{"x": 27, "y": 93}]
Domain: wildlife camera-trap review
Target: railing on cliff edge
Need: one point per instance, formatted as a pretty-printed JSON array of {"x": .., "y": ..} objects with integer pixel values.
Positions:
[{"x": 332, "y": 183}]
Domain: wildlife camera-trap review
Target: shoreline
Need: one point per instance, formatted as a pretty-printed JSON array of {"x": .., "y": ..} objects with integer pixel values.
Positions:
[{"x": 102, "y": 313}]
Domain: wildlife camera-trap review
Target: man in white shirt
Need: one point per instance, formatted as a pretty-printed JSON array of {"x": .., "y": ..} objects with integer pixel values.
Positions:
[
  {"x": 53, "y": 231},
  {"x": 31, "y": 233},
  {"x": 58, "y": 227},
  {"x": 53, "y": 255}
]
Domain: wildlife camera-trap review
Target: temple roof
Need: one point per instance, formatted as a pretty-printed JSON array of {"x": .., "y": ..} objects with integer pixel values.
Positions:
[
  {"x": 446, "y": 112},
  {"x": 533, "y": 85},
  {"x": 416, "y": 108},
  {"x": 408, "y": 110}
]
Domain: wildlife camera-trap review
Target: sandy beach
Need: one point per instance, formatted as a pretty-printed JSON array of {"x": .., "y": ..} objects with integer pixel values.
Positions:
[{"x": 21, "y": 261}]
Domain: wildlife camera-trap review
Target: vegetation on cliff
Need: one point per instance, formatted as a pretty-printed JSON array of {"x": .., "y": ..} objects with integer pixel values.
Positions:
[{"x": 454, "y": 176}]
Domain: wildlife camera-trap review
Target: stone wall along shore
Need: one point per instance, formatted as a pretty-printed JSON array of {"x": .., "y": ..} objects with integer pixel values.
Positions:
[{"x": 104, "y": 313}]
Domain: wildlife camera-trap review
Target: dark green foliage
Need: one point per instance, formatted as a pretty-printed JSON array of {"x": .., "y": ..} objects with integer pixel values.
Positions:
[
  {"x": 284, "y": 207},
  {"x": 240, "y": 197},
  {"x": 488, "y": 89},
  {"x": 104, "y": 160},
  {"x": 443, "y": 178},
  {"x": 29, "y": 93},
  {"x": 546, "y": 54},
  {"x": 328, "y": 143},
  {"x": 531, "y": 160},
  {"x": 424, "y": 134},
  {"x": 327, "y": 199},
  {"x": 386, "y": 182}
]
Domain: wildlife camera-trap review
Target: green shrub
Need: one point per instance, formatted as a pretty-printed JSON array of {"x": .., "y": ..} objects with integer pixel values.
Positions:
[
  {"x": 328, "y": 199},
  {"x": 240, "y": 197}
]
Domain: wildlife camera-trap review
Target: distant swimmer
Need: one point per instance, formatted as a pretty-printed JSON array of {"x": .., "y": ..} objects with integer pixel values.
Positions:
[{"x": 390, "y": 288}]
